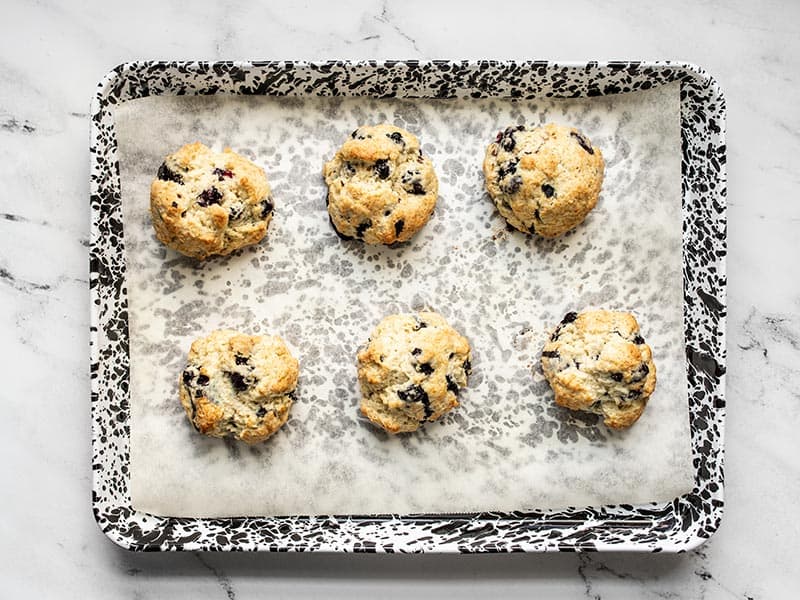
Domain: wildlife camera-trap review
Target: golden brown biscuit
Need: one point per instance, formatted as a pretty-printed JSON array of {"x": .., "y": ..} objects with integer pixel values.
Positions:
[
  {"x": 411, "y": 370},
  {"x": 238, "y": 385},
  {"x": 543, "y": 180},
  {"x": 204, "y": 202},
  {"x": 381, "y": 189},
  {"x": 598, "y": 362}
]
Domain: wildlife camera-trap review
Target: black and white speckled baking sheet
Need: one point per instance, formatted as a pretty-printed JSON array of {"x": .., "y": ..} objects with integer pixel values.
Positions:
[{"x": 507, "y": 447}]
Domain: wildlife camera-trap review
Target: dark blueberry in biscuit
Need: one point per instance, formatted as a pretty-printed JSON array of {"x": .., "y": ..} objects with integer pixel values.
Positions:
[
  {"x": 266, "y": 207},
  {"x": 198, "y": 393},
  {"x": 424, "y": 368},
  {"x": 202, "y": 379},
  {"x": 398, "y": 226},
  {"x": 415, "y": 393},
  {"x": 167, "y": 174},
  {"x": 451, "y": 385},
  {"x": 210, "y": 196},
  {"x": 362, "y": 228},
  {"x": 640, "y": 373},
  {"x": 293, "y": 395},
  {"x": 174, "y": 205},
  {"x": 548, "y": 190},
  {"x": 551, "y": 354},
  {"x": 382, "y": 168},
  {"x": 188, "y": 375},
  {"x": 222, "y": 173},
  {"x": 536, "y": 215},
  {"x": 261, "y": 411},
  {"x": 512, "y": 185},
  {"x": 417, "y": 189},
  {"x": 419, "y": 325},
  {"x": 633, "y": 394},
  {"x": 532, "y": 227},
  {"x": 237, "y": 380},
  {"x": 241, "y": 360},
  {"x": 467, "y": 367},
  {"x": 507, "y": 168},
  {"x": 351, "y": 170},
  {"x": 616, "y": 376},
  {"x": 235, "y": 212},
  {"x": 417, "y": 351},
  {"x": 396, "y": 137},
  {"x": 569, "y": 318},
  {"x": 583, "y": 142},
  {"x": 638, "y": 340}
]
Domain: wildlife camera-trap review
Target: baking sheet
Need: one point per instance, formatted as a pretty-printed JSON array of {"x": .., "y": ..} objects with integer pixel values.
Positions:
[{"x": 508, "y": 447}]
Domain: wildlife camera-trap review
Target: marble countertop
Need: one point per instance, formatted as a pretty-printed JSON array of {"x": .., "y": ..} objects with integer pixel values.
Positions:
[{"x": 52, "y": 56}]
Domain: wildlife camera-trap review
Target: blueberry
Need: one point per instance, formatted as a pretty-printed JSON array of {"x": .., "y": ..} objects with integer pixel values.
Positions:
[
  {"x": 551, "y": 354},
  {"x": 261, "y": 411},
  {"x": 583, "y": 142},
  {"x": 351, "y": 170},
  {"x": 210, "y": 196},
  {"x": 241, "y": 360},
  {"x": 569, "y": 317},
  {"x": 532, "y": 227},
  {"x": 167, "y": 174},
  {"x": 536, "y": 215},
  {"x": 507, "y": 168},
  {"x": 292, "y": 395},
  {"x": 506, "y": 138},
  {"x": 424, "y": 368},
  {"x": 512, "y": 185},
  {"x": 266, "y": 207},
  {"x": 415, "y": 393},
  {"x": 548, "y": 190},
  {"x": 222, "y": 173},
  {"x": 467, "y": 367},
  {"x": 362, "y": 228},
  {"x": 198, "y": 393},
  {"x": 174, "y": 205},
  {"x": 638, "y": 340},
  {"x": 188, "y": 375},
  {"x": 419, "y": 325},
  {"x": 633, "y": 394},
  {"x": 235, "y": 212},
  {"x": 416, "y": 351},
  {"x": 237, "y": 380},
  {"x": 396, "y": 137},
  {"x": 202, "y": 379},
  {"x": 417, "y": 189},
  {"x": 451, "y": 385},
  {"x": 382, "y": 168},
  {"x": 398, "y": 226},
  {"x": 616, "y": 376},
  {"x": 640, "y": 373}
]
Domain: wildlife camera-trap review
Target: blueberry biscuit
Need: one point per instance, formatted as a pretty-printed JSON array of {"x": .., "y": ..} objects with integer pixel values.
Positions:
[
  {"x": 381, "y": 189},
  {"x": 598, "y": 362},
  {"x": 204, "y": 202},
  {"x": 543, "y": 180},
  {"x": 238, "y": 385},
  {"x": 411, "y": 370}
]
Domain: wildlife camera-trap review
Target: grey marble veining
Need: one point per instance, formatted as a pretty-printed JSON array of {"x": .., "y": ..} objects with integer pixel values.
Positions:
[{"x": 51, "y": 56}]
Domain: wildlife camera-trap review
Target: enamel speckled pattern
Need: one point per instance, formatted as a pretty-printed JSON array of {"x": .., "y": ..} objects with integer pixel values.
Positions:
[{"x": 674, "y": 526}]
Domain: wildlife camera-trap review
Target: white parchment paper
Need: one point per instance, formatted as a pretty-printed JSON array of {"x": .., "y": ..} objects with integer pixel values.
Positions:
[{"x": 507, "y": 446}]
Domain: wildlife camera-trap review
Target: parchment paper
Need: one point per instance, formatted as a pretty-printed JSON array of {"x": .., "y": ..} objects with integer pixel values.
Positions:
[{"x": 507, "y": 446}]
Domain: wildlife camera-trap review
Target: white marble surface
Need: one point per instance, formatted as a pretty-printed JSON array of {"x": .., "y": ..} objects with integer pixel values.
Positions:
[{"x": 51, "y": 56}]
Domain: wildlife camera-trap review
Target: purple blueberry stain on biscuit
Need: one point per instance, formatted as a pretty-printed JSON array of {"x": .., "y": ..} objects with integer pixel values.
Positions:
[
  {"x": 415, "y": 393},
  {"x": 424, "y": 368},
  {"x": 237, "y": 380},
  {"x": 396, "y": 137},
  {"x": 167, "y": 174},
  {"x": 582, "y": 141},
  {"x": 362, "y": 228},
  {"x": 222, "y": 174},
  {"x": 210, "y": 196},
  {"x": 548, "y": 190},
  {"x": 398, "y": 227}
]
